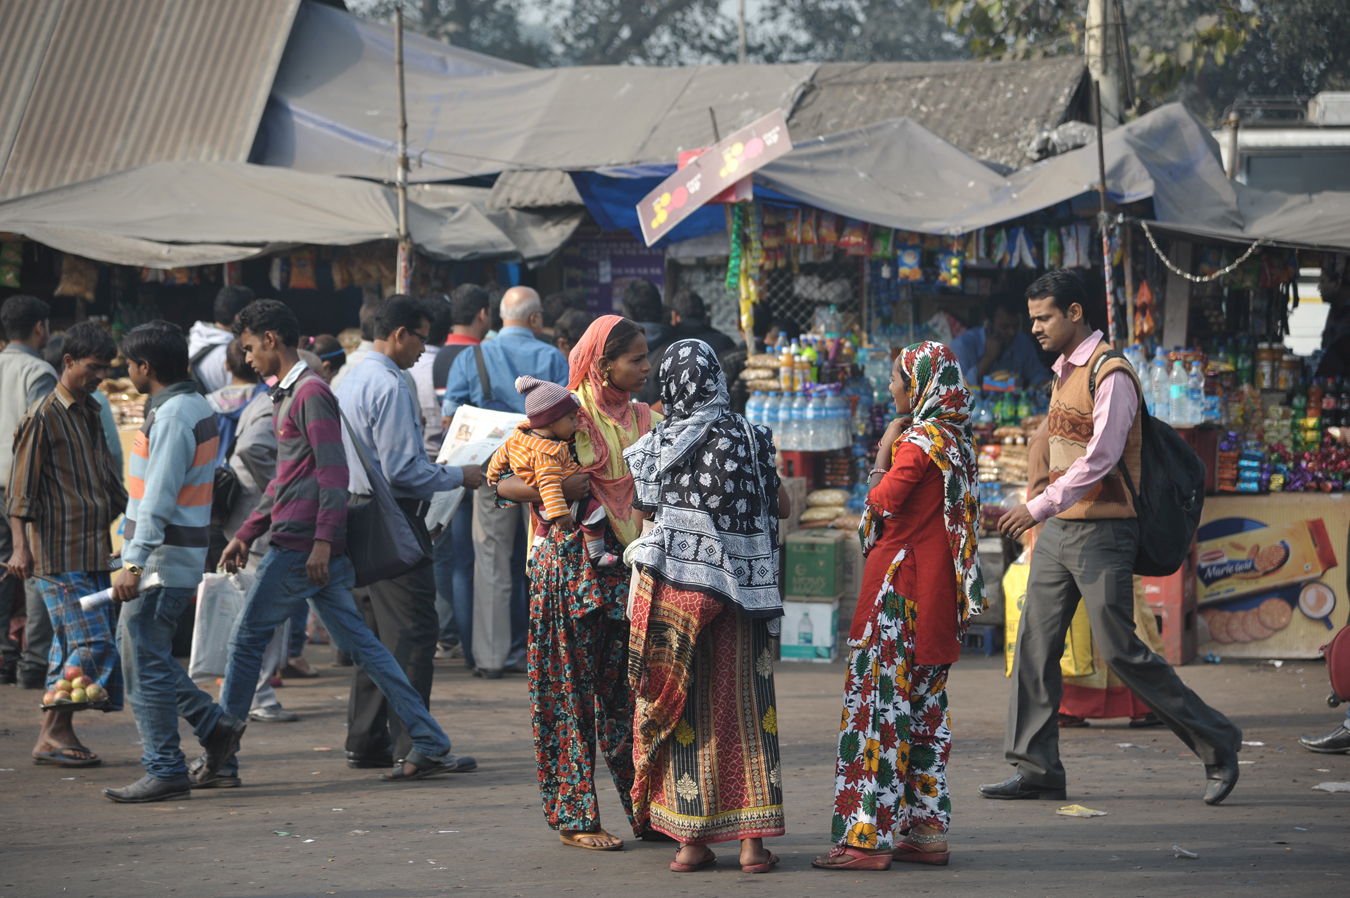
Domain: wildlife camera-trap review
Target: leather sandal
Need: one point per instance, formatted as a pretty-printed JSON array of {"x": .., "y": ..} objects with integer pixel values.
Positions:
[
  {"x": 858, "y": 860},
  {"x": 761, "y": 868},
  {"x": 709, "y": 861},
  {"x": 906, "y": 853},
  {"x": 572, "y": 838}
]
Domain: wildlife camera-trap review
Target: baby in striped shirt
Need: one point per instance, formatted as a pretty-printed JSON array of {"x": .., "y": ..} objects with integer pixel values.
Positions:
[{"x": 540, "y": 452}]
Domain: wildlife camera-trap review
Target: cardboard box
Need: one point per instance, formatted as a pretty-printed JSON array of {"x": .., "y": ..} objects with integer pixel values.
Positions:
[
  {"x": 815, "y": 564},
  {"x": 810, "y": 631},
  {"x": 853, "y": 567}
]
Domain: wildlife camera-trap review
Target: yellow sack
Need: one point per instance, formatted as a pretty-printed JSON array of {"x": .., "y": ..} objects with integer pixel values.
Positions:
[{"x": 1077, "y": 659}]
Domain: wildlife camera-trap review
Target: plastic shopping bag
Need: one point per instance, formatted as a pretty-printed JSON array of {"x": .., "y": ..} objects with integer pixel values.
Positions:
[
  {"x": 220, "y": 600},
  {"x": 1077, "y": 660}
]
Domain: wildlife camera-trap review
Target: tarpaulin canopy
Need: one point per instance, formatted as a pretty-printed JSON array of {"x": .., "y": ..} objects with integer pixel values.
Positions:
[
  {"x": 901, "y": 175},
  {"x": 169, "y": 214}
]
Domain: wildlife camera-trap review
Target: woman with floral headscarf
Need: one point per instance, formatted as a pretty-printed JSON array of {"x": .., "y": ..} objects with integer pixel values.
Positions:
[
  {"x": 705, "y": 735},
  {"x": 921, "y": 584},
  {"x": 579, "y": 694}
]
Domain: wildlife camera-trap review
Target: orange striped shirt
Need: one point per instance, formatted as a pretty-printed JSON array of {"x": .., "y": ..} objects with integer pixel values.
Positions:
[{"x": 541, "y": 462}]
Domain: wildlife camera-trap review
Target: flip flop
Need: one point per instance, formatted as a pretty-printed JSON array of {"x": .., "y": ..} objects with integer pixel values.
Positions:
[
  {"x": 709, "y": 861},
  {"x": 761, "y": 868},
  {"x": 573, "y": 839},
  {"x": 906, "y": 853},
  {"x": 60, "y": 758},
  {"x": 426, "y": 766},
  {"x": 858, "y": 860}
]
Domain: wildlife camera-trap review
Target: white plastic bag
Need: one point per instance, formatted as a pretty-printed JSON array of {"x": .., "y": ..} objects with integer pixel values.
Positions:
[{"x": 220, "y": 599}]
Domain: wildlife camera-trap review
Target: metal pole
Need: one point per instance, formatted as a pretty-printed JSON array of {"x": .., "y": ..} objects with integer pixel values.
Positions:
[
  {"x": 404, "y": 243},
  {"x": 717, "y": 135},
  {"x": 740, "y": 33},
  {"x": 1103, "y": 222}
]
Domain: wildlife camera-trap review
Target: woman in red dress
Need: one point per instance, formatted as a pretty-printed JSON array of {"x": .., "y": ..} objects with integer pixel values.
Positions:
[{"x": 921, "y": 584}]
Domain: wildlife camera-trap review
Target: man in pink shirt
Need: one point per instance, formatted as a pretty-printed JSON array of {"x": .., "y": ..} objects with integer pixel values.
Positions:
[{"x": 1087, "y": 549}]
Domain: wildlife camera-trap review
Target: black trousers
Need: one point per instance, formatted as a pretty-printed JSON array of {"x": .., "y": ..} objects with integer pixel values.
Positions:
[
  {"x": 22, "y": 598},
  {"x": 401, "y": 612},
  {"x": 1093, "y": 559}
]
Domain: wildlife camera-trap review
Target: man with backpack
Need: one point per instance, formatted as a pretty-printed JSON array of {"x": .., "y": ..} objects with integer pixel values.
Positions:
[
  {"x": 484, "y": 376},
  {"x": 1089, "y": 548}
]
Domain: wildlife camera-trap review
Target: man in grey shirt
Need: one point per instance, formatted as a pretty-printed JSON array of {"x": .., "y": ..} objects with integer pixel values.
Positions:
[
  {"x": 24, "y": 379},
  {"x": 401, "y": 611}
]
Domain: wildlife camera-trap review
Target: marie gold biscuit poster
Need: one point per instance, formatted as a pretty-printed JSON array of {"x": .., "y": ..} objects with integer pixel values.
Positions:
[{"x": 1270, "y": 574}]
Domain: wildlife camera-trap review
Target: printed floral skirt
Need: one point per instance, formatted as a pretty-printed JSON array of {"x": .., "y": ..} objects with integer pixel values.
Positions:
[
  {"x": 579, "y": 695},
  {"x": 894, "y": 738},
  {"x": 705, "y": 743}
]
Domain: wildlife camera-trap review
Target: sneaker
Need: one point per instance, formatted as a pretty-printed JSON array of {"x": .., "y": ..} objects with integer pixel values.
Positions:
[
  {"x": 273, "y": 714},
  {"x": 446, "y": 650}
]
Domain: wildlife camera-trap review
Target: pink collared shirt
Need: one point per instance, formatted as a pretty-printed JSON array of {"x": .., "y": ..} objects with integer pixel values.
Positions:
[{"x": 1112, "y": 414}]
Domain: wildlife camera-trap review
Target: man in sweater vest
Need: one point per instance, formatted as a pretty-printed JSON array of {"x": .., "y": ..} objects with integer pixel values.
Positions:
[
  {"x": 1087, "y": 548},
  {"x": 166, "y": 534}
]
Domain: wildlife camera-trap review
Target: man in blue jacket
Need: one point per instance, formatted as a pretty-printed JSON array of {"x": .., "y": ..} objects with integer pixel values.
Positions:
[{"x": 168, "y": 520}]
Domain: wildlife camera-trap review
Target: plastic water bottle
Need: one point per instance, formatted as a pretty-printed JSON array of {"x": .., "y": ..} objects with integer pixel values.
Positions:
[
  {"x": 862, "y": 416},
  {"x": 752, "y": 407},
  {"x": 768, "y": 413},
  {"x": 1162, "y": 401},
  {"x": 813, "y": 424},
  {"x": 1196, "y": 393},
  {"x": 806, "y": 631},
  {"x": 1180, "y": 394},
  {"x": 843, "y": 429},
  {"x": 800, "y": 428},
  {"x": 785, "y": 421}
]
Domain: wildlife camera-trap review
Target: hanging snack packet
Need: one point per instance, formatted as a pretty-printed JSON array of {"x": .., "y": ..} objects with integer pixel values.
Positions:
[
  {"x": 883, "y": 242},
  {"x": 971, "y": 246},
  {"x": 1211, "y": 260},
  {"x": 949, "y": 269},
  {"x": 808, "y": 235},
  {"x": 853, "y": 237},
  {"x": 793, "y": 233},
  {"x": 11, "y": 264},
  {"x": 302, "y": 270},
  {"x": 998, "y": 253},
  {"x": 908, "y": 257},
  {"x": 827, "y": 232},
  {"x": 1054, "y": 250}
]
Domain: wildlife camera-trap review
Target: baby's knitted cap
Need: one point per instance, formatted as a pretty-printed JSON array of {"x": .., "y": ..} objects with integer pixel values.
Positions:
[{"x": 545, "y": 401}]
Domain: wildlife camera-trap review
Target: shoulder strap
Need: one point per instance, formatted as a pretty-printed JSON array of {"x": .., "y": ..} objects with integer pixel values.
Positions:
[
  {"x": 1143, "y": 417},
  {"x": 201, "y": 354},
  {"x": 482, "y": 373},
  {"x": 1097, "y": 367}
]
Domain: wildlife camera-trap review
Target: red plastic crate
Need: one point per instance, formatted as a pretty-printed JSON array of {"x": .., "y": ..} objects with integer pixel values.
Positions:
[
  {"x": 801, "y": 464},
  {"x": 1172, "y": 600}
]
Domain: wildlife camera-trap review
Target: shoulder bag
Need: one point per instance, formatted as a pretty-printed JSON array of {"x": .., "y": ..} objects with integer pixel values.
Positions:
[{"x": 381, "y": 542}]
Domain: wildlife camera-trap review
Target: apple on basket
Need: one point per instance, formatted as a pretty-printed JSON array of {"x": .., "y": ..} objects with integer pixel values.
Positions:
[
  {"x": 63, "y": 685},
  {"x": 74, "y": 671},
  {"x": 62, "y": 695},
  {"x": 95, "y": 692},
  {"x": 49, "y": 699},
  {"x": 80, "y": 682},
  {"x": 79, "y": 695}
]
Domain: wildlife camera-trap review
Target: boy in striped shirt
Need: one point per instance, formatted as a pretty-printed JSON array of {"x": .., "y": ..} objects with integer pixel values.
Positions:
[
  {"x": 170, "y": 489},
  {"x": 540, "y": 452}
]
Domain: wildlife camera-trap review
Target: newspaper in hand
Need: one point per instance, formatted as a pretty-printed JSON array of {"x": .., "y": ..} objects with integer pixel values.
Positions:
[{"x": 474, "y": 434}]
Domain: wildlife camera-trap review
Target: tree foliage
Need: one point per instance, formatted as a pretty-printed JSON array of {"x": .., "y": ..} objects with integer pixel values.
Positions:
[{"x": 855, "y": 31}]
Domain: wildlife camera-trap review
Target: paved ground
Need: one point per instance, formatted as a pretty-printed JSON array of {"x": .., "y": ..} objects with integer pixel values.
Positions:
[{"x": 482, "y": 833}]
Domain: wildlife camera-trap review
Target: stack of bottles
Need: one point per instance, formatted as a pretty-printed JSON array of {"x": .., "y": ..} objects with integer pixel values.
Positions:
[{"x": 818, "y": 420}]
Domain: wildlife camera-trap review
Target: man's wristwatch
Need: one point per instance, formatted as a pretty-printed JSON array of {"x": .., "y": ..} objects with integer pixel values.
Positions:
[{"x": 134, "y": 570}]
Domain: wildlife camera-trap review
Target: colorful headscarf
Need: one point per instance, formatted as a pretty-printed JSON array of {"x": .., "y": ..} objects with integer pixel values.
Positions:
[
  {"x": 709, "y": 478},
  {"x": 941, "y": 404},
  {"x": 608, "y": 423}
]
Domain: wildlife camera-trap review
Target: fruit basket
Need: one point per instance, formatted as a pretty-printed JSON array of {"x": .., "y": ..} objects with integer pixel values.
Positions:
[{"x": 75, "y": 692}]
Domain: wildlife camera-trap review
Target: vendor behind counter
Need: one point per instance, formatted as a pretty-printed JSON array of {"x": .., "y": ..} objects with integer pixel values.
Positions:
[
  {"x": 1334, "y": 285},
  {"x": 1000, "y": 344}
]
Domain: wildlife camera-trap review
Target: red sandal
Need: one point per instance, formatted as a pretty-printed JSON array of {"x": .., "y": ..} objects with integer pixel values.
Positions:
[
  {"x": 858, "y": 860},
  {"x": 906, "y": 853}
]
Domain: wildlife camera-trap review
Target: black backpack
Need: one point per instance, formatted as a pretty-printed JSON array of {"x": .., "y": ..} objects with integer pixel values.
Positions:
[{"x": 1171, "y": 492}]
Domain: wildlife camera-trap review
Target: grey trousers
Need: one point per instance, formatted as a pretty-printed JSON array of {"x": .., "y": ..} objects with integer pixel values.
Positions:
[
  {"x": 494, "y": 540},
  {"x": 1094, "y": 560},
  {"x": 22, "y": 598}
]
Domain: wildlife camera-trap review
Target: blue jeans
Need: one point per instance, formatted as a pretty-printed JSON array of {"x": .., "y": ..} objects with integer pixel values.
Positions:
[
  {"x": 280, "y": 588},
  {"x": 454, "y": 579},
  {"x": 299, "y": 624},
  {"x": 158, "y": 688}
]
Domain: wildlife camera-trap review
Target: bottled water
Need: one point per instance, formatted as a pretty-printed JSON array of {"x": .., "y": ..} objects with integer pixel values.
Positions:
[
  {"x": 843, "y": 435},
  {"x": 813, "y": 425},
  {"x": 806, "y": 631},
  {"x": 1180, "y": 394},
  {"x": 785, "y": 433},
  {"x": 797, "y": 413},
  {"x": 754, "y": 408},
  {"x": 862, "y": 416},
  {"x": 1162, "y": 401},
  {"x": 1196, "y": 393}
]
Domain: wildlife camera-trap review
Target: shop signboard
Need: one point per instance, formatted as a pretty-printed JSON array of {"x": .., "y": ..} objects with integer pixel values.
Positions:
[
  {"x": 601, "y": 263},
  {"x": 729, "y": 160},
  {"x": 1271, "y": 574}
]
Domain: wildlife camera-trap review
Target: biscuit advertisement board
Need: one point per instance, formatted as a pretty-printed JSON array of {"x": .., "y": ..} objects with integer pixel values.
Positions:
[{"x": 1271, "y": 574}]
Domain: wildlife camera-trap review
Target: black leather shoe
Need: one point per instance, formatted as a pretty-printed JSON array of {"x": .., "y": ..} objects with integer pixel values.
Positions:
[
  {"x": 221, "y": 745},
  {"x": 369, "y": 762},
  {"x": 485, "y": 673},
  {"x": 1337, "y": 742},
  {"x": 1220, "y": 778},
  {"x": 199, "y": 780},
  {"x": 1015, "y": 788},
  {"x": 147, "y": 788}
]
